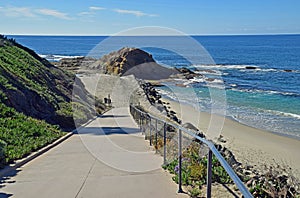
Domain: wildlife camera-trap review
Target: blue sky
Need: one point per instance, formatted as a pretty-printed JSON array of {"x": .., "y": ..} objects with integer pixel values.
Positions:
[{"x": 106, "y": 17}]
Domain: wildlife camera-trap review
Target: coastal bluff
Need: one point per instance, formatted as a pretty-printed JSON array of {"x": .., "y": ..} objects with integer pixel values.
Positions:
[{"x": 124, "y": 62}]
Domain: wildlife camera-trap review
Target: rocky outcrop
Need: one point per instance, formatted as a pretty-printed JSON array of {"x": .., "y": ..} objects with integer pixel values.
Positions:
[
  {"x": 118, "y": 62},
  {"x": 154, "y": 98},
  {"x": 75, "y": 64},
  {"x": 185, "y": 73},
  {"x": 125, "y": 62},
  {"x": 132, "y": 61}
]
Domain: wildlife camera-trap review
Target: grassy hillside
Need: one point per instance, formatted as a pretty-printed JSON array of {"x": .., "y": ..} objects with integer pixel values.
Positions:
[
  {"x": 20, "y": 134},
  {"x": 35, "y": 101}
]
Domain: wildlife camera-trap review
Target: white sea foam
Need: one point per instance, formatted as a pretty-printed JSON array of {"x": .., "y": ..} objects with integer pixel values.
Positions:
[
  {"x": 263, "y": 91},
  {"x": 210, "y": 72},
  {"x": 213, "y": 67},
  {"x": 215, "y": 81},
  {"x": 284, "y": 114},
  {"x": 56, "y": 58},
  {"x": 197, "y": 80}
]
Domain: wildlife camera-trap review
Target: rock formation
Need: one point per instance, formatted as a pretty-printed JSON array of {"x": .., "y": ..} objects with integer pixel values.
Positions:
[{"x": 132, "y": 61}]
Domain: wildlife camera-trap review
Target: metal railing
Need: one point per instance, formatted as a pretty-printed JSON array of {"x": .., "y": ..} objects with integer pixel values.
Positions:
[{"x": 142, "y": 118}]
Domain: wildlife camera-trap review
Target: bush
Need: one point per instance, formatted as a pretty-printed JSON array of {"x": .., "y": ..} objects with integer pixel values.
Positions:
[{"x": 194, "y": 168}]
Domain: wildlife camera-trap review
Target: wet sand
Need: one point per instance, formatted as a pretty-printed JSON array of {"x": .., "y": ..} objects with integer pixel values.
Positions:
[{"x": 251, "y": 146}]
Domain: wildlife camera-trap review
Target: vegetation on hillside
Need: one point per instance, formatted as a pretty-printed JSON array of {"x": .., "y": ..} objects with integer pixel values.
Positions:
[
  {"x": 20, "y": 134},
  {"x": 36, "y": 101}
]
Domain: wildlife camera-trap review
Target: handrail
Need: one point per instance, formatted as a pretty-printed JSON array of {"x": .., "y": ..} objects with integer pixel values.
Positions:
[{"x": 212, "y": 148}]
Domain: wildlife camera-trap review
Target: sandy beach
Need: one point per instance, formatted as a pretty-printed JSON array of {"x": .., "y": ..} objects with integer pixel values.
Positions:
[{"x": 251, "y": 146}]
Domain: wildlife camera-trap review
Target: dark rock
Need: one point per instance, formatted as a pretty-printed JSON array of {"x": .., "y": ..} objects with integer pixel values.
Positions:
[
  {"x": 173, "y": 117},
  {"x": 200, "y": 134},
  {"x": 220, "y": 139},
  {"x": 250, "y": 67},
  {"x": 151, "y": 100},
  {"x": 190, "y": 76},
  {"x": 210, "y": 79},
  {"x": 172, "y": 112},
  {"x": 218, "y": 147},
  {"x": 170, "y": 128},
  {"x": 247, "y": 172},
  {"x": 187, "y": 73},
  {"x": 288, "y": 70},
  {"x": 190, "y": 126},
  {"x": 185, "y": 70},
  {"x": 209, "y": 71}
]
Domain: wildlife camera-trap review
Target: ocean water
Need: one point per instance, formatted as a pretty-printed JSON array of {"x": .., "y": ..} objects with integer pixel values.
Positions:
[{"x": 267, "y": 97}]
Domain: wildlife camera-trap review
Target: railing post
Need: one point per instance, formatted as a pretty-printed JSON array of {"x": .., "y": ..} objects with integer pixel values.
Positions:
[
  {"x": 212, "y": 151},
  {"x": 140, "y": 121},
  {"x": 165, "y": 144},
  {"x": 143, "y": 123},
  {"x": 156, "y": 136},
  {"x": 209, "y": 174},
  {"x": 179, "y": 161},
  {"x": 150, "y": 132}
]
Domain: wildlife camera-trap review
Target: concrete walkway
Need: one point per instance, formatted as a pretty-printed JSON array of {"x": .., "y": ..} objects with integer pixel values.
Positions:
[{"x": 111, "y": 161}]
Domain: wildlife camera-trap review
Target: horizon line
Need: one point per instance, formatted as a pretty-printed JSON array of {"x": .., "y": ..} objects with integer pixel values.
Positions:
[{"x": 108, "y": 35}]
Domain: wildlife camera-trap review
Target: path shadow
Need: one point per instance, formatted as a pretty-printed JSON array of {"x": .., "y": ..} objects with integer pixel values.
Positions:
[
  {"x": 5, "y": 178},
  {"x": 5, "y": 195},
  {"x": 113, "y": 116},
  {"x": 108, "y": 130}
]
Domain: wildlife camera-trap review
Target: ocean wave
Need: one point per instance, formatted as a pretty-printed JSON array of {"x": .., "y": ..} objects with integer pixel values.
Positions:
[
  {"x": 210, "y": 72},
  {"x": 284, "y": 114},
  {"x": 214, "y": 81},
  {"x": 214, "y": 69},
  {"x": 56, "y": 58},
  {"x": 279, "y": 122},
  {"x": 220, "y": 66},
  {"x": 197, "y": 80},
  {"x": 233, "y": 87}
]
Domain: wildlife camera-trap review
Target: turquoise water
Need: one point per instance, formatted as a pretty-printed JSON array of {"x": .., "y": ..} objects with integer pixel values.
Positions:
[{"x": 267, "y": 97}]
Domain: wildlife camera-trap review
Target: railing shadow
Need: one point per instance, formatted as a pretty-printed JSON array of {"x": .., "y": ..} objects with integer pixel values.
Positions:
[
  {"x": 113, "y": 116},
  {"x": 230, "y": 191},
  {"x": 107, "y": 130}
]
